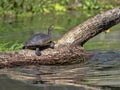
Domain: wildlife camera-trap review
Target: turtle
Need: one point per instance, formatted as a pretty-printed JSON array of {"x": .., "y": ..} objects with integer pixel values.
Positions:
[{"x": 40, "y": 41}]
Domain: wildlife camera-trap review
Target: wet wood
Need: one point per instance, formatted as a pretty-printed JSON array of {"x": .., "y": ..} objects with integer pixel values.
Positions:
[
  {"x": 58, "y": 56},
  {"x": 69, "y": 49}
]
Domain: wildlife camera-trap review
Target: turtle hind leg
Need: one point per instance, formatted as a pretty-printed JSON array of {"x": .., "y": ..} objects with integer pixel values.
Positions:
[
  {"x": 37, "y": 52},
  {"x": 24, "y": 47},
  {"x": 52, "y": 44}
]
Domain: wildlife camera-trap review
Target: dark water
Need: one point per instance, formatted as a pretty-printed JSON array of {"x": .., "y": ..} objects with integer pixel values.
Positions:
[
  {"x": 8, "y": 84},
  {"x": 102, "y": 71}
]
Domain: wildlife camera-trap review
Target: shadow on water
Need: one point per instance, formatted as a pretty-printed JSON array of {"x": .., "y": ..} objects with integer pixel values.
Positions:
[
  {"x": 104, "y": 70},
  {"x": 8, "y": 84}
]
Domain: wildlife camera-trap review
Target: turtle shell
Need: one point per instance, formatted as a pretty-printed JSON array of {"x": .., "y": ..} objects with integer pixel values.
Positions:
[{"x": 38, "y": 40}]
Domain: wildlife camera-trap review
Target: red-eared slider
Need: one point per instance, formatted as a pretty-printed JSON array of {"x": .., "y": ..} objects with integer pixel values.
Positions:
[{"x": 40, "y": 41}]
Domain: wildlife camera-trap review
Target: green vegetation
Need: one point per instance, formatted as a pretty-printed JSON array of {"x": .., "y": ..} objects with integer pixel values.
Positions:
[
  {"x": 10, "y": 46},
  {"x": 96, "y": 4},
  {"x": 30, "y": 7}
]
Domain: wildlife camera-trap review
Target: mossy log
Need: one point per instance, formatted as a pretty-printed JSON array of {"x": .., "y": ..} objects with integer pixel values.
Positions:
[{"x": 68, "y": 49}]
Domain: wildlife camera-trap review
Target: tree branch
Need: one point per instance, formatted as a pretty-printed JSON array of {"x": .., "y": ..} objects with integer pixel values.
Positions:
[
  {"x": 69, "y": 48},
  {"x": 90, "y": 28}
]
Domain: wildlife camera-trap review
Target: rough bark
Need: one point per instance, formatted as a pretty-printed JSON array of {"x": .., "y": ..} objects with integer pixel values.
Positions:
[
  {"x": 69, "y": 48},
  {"x": 90, "y": 28}
]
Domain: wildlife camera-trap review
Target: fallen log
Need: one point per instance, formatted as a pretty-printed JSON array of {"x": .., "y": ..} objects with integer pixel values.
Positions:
[{"x": 68, "y": 49}]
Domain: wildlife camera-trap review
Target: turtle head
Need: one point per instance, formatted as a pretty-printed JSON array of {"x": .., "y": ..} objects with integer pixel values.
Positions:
[{"x": 50, "y": 29}]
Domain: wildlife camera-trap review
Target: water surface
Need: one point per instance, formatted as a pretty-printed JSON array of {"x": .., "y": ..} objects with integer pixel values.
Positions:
[{"x": 101, "y": 71}]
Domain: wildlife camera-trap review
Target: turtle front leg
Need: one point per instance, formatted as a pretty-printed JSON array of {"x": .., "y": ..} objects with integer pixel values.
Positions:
[
  {"x": 37, "y": 52},
  {"x": 52, "y": 44}
]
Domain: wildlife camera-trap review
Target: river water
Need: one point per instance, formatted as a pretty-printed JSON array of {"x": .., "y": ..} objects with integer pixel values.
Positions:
[{"x": 102, "y": 71}]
